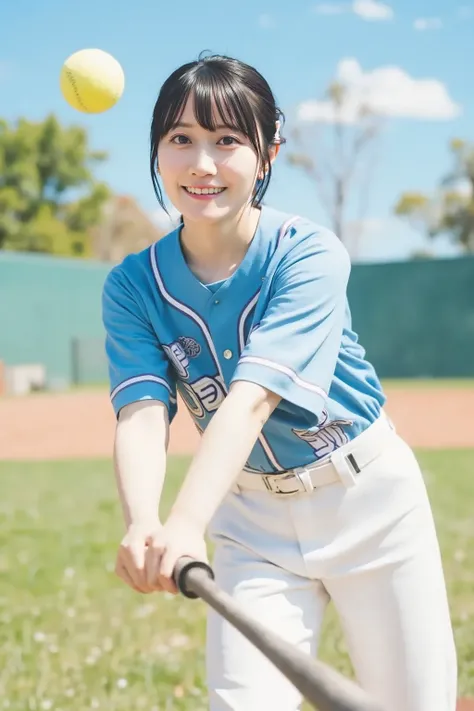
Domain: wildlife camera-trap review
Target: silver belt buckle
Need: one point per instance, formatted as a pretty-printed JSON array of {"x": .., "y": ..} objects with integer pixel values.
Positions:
[{"x": 270, "y": 480}]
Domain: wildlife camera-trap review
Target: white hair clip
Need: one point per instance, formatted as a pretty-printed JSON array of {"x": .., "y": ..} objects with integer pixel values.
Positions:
[{"x": 277, "y": 137}]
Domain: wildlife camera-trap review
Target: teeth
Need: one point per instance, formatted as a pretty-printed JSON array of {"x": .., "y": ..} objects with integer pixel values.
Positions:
[{"x": 204, "y": 191}]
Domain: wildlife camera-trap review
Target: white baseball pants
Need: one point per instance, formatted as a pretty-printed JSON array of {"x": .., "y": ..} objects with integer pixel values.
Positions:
[{"x": 373, "y": 550}]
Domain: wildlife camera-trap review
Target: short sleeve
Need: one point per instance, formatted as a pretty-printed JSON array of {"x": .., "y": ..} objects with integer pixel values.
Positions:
[
  {"x": 293, "y": 350},
  {"x": 138, "y": 367}
]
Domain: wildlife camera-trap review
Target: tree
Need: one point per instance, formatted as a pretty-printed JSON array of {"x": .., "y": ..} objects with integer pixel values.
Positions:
[
  {"x": 334, "y": 153},
  {"x": 451, "y": 210},
  {"x": 49, "y": 198},
  {"x": 125, "y": 228}
]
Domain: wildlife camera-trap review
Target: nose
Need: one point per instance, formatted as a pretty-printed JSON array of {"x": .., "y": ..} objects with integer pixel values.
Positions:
[{"x": 203, "y": 163}]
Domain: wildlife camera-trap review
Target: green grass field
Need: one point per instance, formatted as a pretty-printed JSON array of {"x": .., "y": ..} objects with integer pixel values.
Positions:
[{"x": 73, "y": 637}]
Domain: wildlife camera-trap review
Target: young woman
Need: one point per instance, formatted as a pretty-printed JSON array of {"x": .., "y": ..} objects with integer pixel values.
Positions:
[{"x": 300, "y": 479}]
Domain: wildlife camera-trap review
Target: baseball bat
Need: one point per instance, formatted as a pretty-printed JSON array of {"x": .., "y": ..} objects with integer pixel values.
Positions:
[{"x": 324, "y": 687}]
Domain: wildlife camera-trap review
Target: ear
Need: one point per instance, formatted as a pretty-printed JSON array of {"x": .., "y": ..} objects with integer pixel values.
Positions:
[{"x": 272, "y": 152}]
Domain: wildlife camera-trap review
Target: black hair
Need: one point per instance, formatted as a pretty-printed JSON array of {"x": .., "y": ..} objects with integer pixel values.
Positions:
[{"x": 243, "y": 99}]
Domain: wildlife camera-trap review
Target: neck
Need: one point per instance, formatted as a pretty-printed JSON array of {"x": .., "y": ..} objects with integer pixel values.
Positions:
[{"x": 214, "y": 251}]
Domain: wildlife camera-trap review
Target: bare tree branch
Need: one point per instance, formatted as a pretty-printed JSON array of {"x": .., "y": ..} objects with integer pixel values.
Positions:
[{"x": 332, "y": 156}]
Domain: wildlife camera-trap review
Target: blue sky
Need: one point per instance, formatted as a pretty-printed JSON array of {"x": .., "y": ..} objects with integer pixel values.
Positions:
[{"x": 299, "y": 45}]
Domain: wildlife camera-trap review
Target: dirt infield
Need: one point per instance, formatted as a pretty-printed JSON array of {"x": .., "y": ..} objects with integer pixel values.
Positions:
[
  {"x": 81, "y": 424},
  {"x": 465, "y": 705}
]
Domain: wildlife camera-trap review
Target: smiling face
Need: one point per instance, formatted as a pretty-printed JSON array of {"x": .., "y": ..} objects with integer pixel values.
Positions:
[{"x": 207, "y": 175}]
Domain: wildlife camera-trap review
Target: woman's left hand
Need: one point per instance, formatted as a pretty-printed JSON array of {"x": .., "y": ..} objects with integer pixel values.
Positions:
[{"x": 181, "y": 537}]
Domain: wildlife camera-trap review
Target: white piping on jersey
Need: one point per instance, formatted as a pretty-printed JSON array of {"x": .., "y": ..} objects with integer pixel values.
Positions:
[
  {"x": 195, "y": 317},
  {"x": 185, "y": 309},
  {"x": 243, "y": 318},
  {"x": 256, "y": 360},
  {"x": 142, "y": 379},
  {"x": 251, "y": 470},
  {"x": 285, "y": 227}
]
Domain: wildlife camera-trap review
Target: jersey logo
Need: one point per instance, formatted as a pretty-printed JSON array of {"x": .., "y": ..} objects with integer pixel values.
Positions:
[
  {"x": 327, "y": 437},
  {"x": 204, "y": 396},
  {"x": 189, "y": 346},
  {"x": 179, "y": 352}
]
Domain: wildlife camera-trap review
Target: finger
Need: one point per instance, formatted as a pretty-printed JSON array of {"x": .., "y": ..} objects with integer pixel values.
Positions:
[
  {"x": 167, "y": 584},
  {"x": 165, "y": 577},
  {"x": 134, "y": 560},
  {"x": 153, "y": 555},
  {"x": 127, "y": 565},
  {"x": 122, "y": 572}
]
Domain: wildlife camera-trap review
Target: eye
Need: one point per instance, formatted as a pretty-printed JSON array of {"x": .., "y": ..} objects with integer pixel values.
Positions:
[
  {"x": 177, "y": 140},
  {"x": 229, "y": 141}
]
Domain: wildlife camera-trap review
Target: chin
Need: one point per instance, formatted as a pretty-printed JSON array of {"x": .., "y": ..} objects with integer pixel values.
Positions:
[{"x": 205, "y": 213}]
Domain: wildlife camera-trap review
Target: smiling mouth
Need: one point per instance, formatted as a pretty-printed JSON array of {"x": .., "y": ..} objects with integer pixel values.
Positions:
[{"x": 204, "y": 191}]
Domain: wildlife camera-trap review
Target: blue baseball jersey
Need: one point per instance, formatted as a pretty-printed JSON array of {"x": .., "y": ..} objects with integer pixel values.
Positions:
[{"x": 281, "y": 320}]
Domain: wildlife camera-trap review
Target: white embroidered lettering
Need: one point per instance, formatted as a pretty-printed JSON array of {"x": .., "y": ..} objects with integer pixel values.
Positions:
[{"x": 327, "y": 437}]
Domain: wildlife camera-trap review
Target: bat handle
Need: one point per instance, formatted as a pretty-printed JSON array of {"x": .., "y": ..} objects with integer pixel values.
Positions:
[{"x": 184, "y": 571}]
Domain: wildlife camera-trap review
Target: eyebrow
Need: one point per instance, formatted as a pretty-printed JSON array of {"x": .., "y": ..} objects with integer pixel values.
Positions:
[{"x": 219, "y": 127}]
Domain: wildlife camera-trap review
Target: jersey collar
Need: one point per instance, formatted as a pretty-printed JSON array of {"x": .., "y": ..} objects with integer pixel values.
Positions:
[{"x": 234, "y": 282}]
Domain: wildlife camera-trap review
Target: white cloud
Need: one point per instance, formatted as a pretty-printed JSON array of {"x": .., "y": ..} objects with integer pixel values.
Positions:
[
  {"x": 387, "y": 91},
  {"x": 267, "y": 22},
  {"x": 428, "y": 23},
  {"x": 371, "y": 10},
  {"x": 465, "y": 12},
  {"x": 365, "y": 9}
]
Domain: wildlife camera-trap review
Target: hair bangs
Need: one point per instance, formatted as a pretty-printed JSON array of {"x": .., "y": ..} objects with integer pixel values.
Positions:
[
  {"x": 218, "y": 101},
  {"x": 172, "y": 112}
]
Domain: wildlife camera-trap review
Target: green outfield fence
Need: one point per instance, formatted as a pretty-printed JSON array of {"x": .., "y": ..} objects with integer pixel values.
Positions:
[
  {"x": 50, "y": 313},
  {"x": 415, "y": 319}
]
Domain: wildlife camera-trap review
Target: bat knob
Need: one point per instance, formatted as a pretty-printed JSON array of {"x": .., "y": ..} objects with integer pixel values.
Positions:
[{"x": 183, "y": 572}]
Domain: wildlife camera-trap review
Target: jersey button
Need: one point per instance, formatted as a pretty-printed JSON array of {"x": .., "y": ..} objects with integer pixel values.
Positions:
[
  {"x": 216, "y": 301},
  {"x": 227, "y": 354}
]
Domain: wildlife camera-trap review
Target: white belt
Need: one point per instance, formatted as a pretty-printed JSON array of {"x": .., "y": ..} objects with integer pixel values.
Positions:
[{"x": 343, "y": 465}]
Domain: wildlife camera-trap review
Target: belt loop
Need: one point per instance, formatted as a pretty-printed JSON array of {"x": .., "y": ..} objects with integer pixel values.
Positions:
[
  {"x": 344, "y": 469},
  {"x": 305, "y": 478}
]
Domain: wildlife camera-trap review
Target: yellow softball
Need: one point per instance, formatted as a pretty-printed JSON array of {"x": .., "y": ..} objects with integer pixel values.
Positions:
[{"x": 92, "y": 81}]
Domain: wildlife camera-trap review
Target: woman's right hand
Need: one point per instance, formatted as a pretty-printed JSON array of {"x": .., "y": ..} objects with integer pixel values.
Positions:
[{"x": 139, "y": 555}]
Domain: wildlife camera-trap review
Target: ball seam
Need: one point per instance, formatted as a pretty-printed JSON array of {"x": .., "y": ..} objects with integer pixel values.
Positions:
[{"x": 71, "y": 78}]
